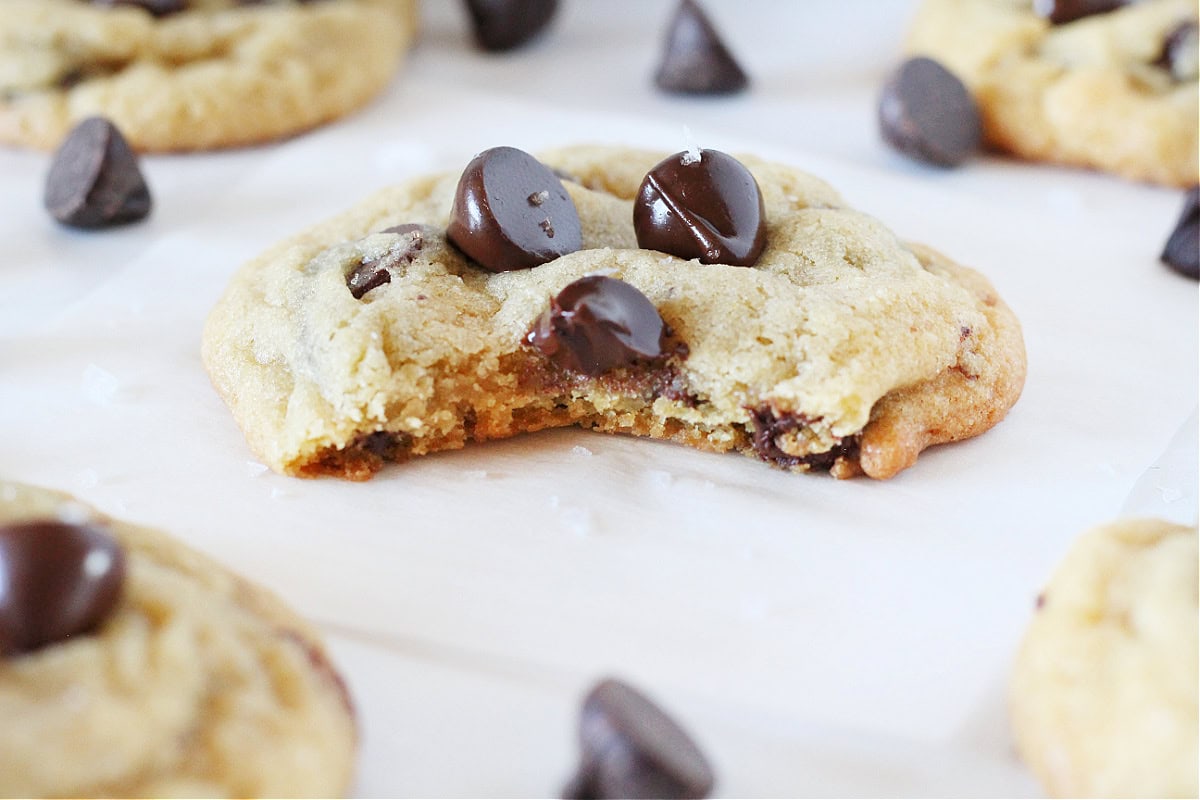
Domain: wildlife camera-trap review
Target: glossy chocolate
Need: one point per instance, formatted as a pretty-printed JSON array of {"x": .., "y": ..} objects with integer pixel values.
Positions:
[
  {"x": 926, "y": 112},
  {"x": 709, "y": 208},
  {"x": 511, "y": 212},
  {"x": 1059, "y": 12},
  {"x": 1182, "y": 251},
  {"x": 694, "y": 58},
  {"x": 56, "y": 581},
  {"x": 507, "y": 24},
  {"x": 596, "y": 324},
  {"x": 94, "y": 179},
  {"x": 631, "y": 748}
]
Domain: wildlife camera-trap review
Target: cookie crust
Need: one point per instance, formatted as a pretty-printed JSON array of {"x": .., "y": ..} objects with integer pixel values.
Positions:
[
  {"x": 216, "y": 75},
  {"x": 842, "y": 349},
  {"x": 198, "y": 684},
  {"x": 1085, "y": 93}
]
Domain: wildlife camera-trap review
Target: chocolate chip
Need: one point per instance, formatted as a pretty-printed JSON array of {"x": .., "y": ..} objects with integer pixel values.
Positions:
[
  {"x": 694, "y": 59},
  {"x": 495, "y": 221},
  {"x": 159, "y": 8},
  {"x": 1180, "y": 55},
  {"x": 927, "y": 113},
  {"x": 767, "y": 428},
  {"x": 1182, "y": 252},
  {"x": 706, "y": 206},
  {"x": 631, "y": 748},
  {"x": 1063, "y": 11},
  {"x": 374, "y": 272},
  {"x": 596, "y": 324},
  {"x": 94, "y": 180},
  {"x": 56, "y": 581},
  {"x": 507, "y": 24}
]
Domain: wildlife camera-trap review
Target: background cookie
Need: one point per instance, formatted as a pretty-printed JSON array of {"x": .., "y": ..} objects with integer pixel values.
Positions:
[
  {"x": 1104, "y": 690},
  {"x": 1101, "y": 91},
  {"x": 840, "y": 348},
  {"x": 217, "y": 74},
  {"x": 196, "y": 684}
]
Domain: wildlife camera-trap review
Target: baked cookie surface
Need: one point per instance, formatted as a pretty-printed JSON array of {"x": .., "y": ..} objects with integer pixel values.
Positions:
[
  {"x": 218, "y": 73},
  {"x": 1101, "y": 91},
  {"x": 196, "y": 684},
  {"x": 1104, "y": 690},
  {"x": 841, "y": 348}
]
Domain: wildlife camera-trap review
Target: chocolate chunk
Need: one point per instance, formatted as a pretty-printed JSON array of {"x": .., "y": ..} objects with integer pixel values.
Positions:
[
  {"x": 1180, "y": 54},
  {"x": 1182, "y": 252},
  {"x": 1063, "y": 11},
  {"x": 94, "y": 180},
  {"x": 706, "y": 206},
  {"x": 159, "y": 8},
  {"x": 511, "y": 212},
  {"x": 374, "y": 272},
  {"x": 507, "y": 24},
  {"x": 694, "y": 59},
  {"x": 56, "y": 581},
  {"x": 927, "y": 113},
  {"x": 768, "y": 428},
  {"x": 631, "y": 748},
  {"x": 597, "y": 323}
]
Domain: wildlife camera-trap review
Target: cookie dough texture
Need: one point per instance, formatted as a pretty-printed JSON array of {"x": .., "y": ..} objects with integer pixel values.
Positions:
[
  {"x": 1104, "y": 689},
  {"x": 841, "y": 348},
  {"x": 199, "y": 685},
  {"x": 216, "y": 75},
  {"x": 1086, "y": 93}
]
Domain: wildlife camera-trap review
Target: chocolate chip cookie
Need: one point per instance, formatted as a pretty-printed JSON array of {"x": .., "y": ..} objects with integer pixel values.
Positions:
[
  {"x": 730, "y": 304},
  {"x": 1108, "y": 85},
  {"x": 193, "y": 74},
  {"x": 132, "y": 666},
  {"x": 1104, "y": 688}
]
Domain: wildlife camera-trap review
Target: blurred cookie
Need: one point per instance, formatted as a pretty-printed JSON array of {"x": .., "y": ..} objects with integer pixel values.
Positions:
[
  {"x": 193, "y": 74},
  {"x": 1104, "y": 690},
  {"x": 784, "y": 325},
  {"x": 132, "y": 666},
  {"x": 1107, "y": 85}
]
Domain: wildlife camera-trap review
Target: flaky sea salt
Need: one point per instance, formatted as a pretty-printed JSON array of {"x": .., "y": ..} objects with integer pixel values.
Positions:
[
  {"x": 255, "y": 469},
  {"x": 98, "y": 385},
  {"x": 692, "y": 154},
  {"x": 580, "y": 450}
]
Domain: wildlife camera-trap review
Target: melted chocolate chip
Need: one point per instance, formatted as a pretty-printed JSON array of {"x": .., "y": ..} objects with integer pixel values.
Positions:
[
  {"x": 709, "y": 208},
  {"x": 508, "y": 24},
  {"x": 694, "y": 59},
  {"x": 375, "y": 272},
  {"x": 631, "y": 748},
  {"x": 159, "y": 8},
  {"x": 496, "y": 220},
  {"x": 596, "y": 324},
  {"x": 1182, "y": 251},
  {"x": 56, "y": 581},
  {"x": 1180, "y": 54},
  {"x": 768, "y": 428},
  {"x": 1063, "y": 11},
  {"x": 94, "y": 180},
  {"x": 927, "y": 113}
]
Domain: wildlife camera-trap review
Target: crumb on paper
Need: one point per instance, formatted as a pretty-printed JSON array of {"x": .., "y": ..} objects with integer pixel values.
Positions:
[{"x": 99, "y": 386}]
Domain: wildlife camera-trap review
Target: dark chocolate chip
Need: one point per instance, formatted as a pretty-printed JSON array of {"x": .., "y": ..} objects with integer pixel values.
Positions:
[
  {"x": 631, "y": 748},
  {"x": 56, "y": 580},
  {"x": 1182, "y": 252},
  {"x": 768, "y": 428},
  {"x": 511, "y": 212},
  {"x": 596, "y": 324},
  {"x": 927, "y": 113},
  {"x": 508, "y": 24},
  {"x": 94, "y": 180},
  {"x": 694, "y": 59},
  {"x": 707, "y": 207},
  {"x": 374, "y": 272},
  {"x": 159, "y": 8},
  {"x": 1063, "y": 11},
  {"x": 1181, "y": 51}
]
